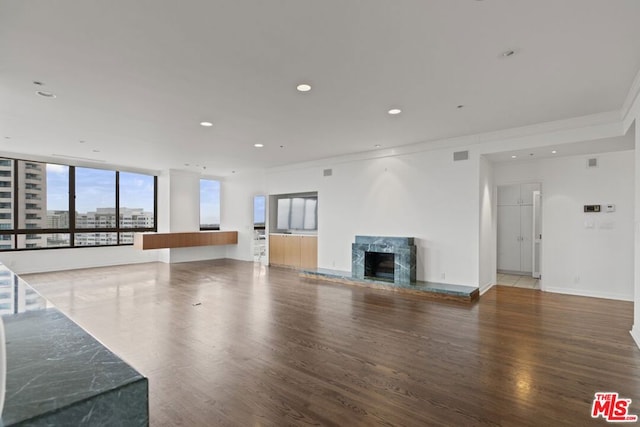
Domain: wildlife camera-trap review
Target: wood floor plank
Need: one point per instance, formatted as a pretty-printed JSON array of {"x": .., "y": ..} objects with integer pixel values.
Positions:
[{"x": 233, "y": 343}]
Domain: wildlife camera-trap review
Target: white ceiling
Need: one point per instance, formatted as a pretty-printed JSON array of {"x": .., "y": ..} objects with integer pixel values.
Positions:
[{"x": 134, "y": 78}]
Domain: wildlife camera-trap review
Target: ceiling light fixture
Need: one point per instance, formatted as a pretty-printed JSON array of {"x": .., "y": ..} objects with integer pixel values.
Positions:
[
  {"x": 460, "y": 106},
  {"x": 377, "y": 145},
  {"x": 258, "y": 145},
  {"x": 554, "y": 152},
  {"x": 394, "y": 111},
  {"x": 38, "y": 83},
  {"x": 206, "y": 124},
  {"x": 514, "y": 156},
  {"x": 45, "y": 94},
  {"x": 303, "y": 87},
  {"x": 508, "y": 53}
]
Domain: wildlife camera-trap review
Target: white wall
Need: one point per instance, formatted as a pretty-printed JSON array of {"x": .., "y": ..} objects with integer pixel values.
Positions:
[
  {"x": 583, "y": 254},
  {"x": 37, "y": 261},
  {"x": 488, "y": 217},
  {"x": 423, "y": 195},
  {"x": 183, "y": 215}
]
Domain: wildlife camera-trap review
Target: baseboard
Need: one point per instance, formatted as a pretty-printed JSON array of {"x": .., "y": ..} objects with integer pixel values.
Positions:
[
  {"x": 592, "y": 294},
  {"x": 486, "y": 287},
  {"x": 635, "y": 334}
]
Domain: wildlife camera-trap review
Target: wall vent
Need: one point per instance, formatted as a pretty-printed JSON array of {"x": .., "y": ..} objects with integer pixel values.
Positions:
[
  {"x": 327, "y": 172},
  {"x": 592, "y": 163},
  {"x": 460, "y": 155}
]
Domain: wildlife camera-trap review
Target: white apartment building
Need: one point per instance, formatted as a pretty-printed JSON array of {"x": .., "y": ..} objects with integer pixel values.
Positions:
[{"x": 32, "y": 201}]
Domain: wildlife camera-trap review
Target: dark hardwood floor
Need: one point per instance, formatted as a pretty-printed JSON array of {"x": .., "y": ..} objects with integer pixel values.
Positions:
[{"x": 229, "y": 343}]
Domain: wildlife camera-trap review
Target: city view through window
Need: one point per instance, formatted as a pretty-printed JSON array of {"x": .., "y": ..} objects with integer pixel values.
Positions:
[{"x": 42, "y": 202}]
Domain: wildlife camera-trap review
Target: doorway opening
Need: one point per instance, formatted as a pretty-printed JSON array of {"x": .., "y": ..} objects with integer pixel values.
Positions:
[{"x": 519, "y": 235}]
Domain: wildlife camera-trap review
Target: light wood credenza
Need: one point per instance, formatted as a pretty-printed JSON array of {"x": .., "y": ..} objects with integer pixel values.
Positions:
[{"x": 184, "y": 240}]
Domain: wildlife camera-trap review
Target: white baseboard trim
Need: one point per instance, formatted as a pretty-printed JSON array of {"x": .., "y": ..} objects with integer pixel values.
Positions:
[
  {"x": 484, "y": 288},
  {"x": 635, "y": 334},
  {"x": 585, "y": 293}
]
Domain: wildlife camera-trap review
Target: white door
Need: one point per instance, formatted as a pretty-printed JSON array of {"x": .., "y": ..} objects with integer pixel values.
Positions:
[
  {"x": 526, "y": 238},
  {"x": 509, "y": 238},
  {"x": 508, "y": 195},
  {"x": 537, "y": 234}
]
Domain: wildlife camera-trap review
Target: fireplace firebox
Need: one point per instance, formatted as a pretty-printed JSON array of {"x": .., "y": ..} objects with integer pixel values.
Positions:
[{"x": 379, "y": 265}]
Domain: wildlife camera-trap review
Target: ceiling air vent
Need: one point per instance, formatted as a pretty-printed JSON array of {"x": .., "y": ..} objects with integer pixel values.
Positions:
[
  {"x": 592, "y": 163},
  {"x": 327, "y": 172},
  {"x": 460, "y": 155}
]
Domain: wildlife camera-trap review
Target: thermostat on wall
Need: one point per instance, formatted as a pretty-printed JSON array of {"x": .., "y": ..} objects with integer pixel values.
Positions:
[
  {"x": 610, "y": 208},
  {"x": 592, "y": 208}
]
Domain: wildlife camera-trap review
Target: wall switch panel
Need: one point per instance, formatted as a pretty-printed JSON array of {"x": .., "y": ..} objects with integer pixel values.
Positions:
[
  {"x": 610, "y": 208},
  {"x": 592, "y": 208}
]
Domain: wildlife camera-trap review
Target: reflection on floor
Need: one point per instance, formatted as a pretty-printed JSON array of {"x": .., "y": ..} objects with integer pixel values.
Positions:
[{"x": 516, "y": 281}]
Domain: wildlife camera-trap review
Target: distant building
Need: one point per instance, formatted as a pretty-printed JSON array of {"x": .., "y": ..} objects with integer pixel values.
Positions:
[
  {"x": 32, "y": 202},
  {"x": 106, "y": 218}
]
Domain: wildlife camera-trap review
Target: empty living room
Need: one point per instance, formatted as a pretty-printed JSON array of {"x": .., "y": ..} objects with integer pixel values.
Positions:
[{"x": 348, "y": 213}]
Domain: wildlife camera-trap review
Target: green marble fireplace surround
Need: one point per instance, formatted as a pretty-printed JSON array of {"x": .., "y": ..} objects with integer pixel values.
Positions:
[{"x": 391, "y": 259}]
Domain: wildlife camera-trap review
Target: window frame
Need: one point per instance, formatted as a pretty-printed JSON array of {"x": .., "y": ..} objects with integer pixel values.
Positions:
[{"x": 72, "y": 230}]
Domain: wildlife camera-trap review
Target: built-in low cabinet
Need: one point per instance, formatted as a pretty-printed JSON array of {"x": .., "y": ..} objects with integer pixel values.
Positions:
[{"x": 293, "y": 250}]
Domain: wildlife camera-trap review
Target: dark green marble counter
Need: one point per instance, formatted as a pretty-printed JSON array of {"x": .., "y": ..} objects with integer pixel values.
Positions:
[{"x": 58, "y": 374}]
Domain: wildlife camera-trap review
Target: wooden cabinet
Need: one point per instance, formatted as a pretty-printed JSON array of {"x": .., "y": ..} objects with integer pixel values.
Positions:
[
  {"x": 292, "y": 250},
  {"x": 309, "y": 252},
  {"x": 276, "y": 249}
]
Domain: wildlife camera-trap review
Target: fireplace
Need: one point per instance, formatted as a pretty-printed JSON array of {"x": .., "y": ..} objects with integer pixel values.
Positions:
[
  {"x": 379, "y": 265},
  {"x": 391, "y": 259}
]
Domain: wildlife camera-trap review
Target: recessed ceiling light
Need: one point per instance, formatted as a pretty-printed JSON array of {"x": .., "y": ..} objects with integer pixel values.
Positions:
[
  {"x": 554, "y": 152},
  {"x": 514, "y": 156},
  {"x": 258, "y": 145},
  {"x": 394, "y": 111},
  {"x": 38, "y": 83},
  {"x": 45, "y": 94},
  {"x": 508, "y": 53},
  {"x": 233, "y": 171},
  {"x": 303, "y": 87},
  {"x": 460, "y": 106},
  {"x": 206, "y": 124},
  {"x": 282, "y": 146},
  {"x": 82, "y": 141},
  {"x": 377, "y": 145}
]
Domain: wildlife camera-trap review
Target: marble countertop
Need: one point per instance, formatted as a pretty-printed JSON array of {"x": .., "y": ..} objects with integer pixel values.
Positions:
[{"x": 57, "y": 373}]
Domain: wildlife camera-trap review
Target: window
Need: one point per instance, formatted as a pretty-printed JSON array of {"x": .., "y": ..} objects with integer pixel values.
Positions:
[
  {"x": 95, "y": 198},
  {"x": 297, "y": 212},
  {"x": 209, "y": 204},
  {"x": 136, "y": 200},
  {"x": 54, "y": 202},
  {"x": 259, "y": 212}
]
